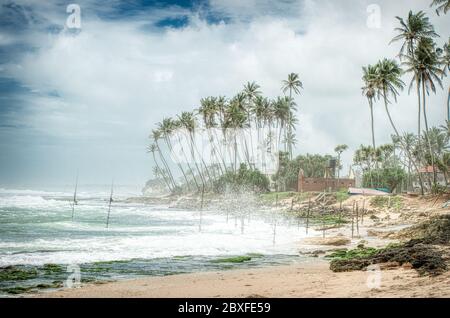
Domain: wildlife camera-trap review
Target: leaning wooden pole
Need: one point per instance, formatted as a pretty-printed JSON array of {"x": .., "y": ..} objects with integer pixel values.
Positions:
[
  {"x": 75, "y": 202},
  {"x": 110, "y": 202}
]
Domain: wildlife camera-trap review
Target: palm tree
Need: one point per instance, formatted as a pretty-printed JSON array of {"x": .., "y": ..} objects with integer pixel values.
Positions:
[
  {"x": 388, "y": 83},
  {"x": 369, "y": 90},
  {"x": 426, "y": 66},
  {"x": 261, "y": 111},
  {"x": 339, "y": 150},
  {"x": 152, "y": 149},
  {"x": 409, "y": 141},
  {"x": 292, "y": 84},
  {"x": 416, "y": 26},
  {"x": 445, "y": 61},
  {"x": 442, "y": 6},
  {"x": 281, "y": 113},
  {"x": 235, "y": 119},
  {"x": 208, "y": 111},
  {"x": 167, "y": 127},
  {"x": 187, "y": 121},
  {"x": 251, "y": 92}
]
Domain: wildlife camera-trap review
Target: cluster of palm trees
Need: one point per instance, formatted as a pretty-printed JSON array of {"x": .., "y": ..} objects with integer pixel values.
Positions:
[
  {"x": 245, "y": 129},
  {"x": 427, "y": 64}
]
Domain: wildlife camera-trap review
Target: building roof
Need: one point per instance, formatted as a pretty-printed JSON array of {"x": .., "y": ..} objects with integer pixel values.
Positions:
[{"x": 366, "y": 191}]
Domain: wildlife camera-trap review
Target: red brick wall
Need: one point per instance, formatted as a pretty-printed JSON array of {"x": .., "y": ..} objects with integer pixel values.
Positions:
[{"x": 323, "y": 184}]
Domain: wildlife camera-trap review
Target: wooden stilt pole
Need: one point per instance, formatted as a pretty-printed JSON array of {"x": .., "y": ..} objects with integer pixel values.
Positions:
[{"x": 110, "y": 201}]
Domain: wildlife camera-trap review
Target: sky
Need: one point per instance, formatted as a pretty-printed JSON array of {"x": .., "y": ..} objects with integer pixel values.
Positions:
[{"x": 85, "y": 99}]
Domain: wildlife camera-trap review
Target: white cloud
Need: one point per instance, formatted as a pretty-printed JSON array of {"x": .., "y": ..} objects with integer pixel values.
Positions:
[{"x": 116, "y": 80}]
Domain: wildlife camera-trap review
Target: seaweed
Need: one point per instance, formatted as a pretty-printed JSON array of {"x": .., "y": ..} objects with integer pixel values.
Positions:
[
  {"x": 420, "y": 251},
  {"x": 16, "y": 273},
  {"x": 236, "y": 259}
]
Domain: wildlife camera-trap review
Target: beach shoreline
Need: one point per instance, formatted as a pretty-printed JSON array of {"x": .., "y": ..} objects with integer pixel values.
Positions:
[{"x": 304, "y": 279}]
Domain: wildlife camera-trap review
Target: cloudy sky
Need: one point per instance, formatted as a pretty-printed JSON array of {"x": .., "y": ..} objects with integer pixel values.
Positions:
[{"x": 87, "y": 98}]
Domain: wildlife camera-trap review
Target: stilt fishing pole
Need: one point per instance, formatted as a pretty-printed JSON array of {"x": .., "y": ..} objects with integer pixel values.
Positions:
[
  {"x": 75, "y": 202},
  {"x": 110, "y": 201}
]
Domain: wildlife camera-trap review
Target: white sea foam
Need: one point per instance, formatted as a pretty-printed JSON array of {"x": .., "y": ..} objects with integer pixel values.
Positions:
[{"x": 48, "y": 234}]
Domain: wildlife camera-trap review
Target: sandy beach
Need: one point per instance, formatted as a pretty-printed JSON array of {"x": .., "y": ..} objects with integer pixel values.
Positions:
[{"x": 310, "y": 279}]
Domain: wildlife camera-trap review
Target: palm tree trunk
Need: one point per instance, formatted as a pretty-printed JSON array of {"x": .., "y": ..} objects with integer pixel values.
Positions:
[
  {"x": 194, "y": 159},
  {"x": 427, "y": 134},
  {"x": 398, "y": 135},
  {"x": 162, "y": 174},
  {"x": 389, "y": 115},
  {"x": 448, "y": 104},
  {"x": 372, "y": 122},
  {"x": 338, "y": 170},
  {"x": 169, "y": 172},
  {"x": 187, "y": 162},
  {"x": 419, "y": 110},
  {"x": 289, "y": 123},
  {"x": 220, "y": 153},
  {"x": 169, "y": 145}
]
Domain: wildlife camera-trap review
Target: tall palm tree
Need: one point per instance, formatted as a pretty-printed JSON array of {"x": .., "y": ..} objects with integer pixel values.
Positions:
[
  {"x": 425, "y": 64},
  {"x": 281, "y": 113},
  {"x": 167, "y": 127},
  {"x": 291, "y": 84},
  {"x": 156, "y": 136},
  {"x": 187, "y": 121},
  {"x": 152, "y": 149},
  {"x": 261, "y": 111},
  {"x": 445, "y": 61},
  {"x": 251, "y": 92},
  {"x": 442, "y": 6},
  {"x": 409, "y": 141},
  {"x": 389, "y": 83},
  {"x": 235, "y": 119},
  {"x": 207, "y": 111},
  {"x": 416, "y": 27},
  {"x": 369, "y": 90}
]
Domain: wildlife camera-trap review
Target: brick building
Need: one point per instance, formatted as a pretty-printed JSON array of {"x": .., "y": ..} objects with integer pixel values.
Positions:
[{"x": 322, "y": 184}]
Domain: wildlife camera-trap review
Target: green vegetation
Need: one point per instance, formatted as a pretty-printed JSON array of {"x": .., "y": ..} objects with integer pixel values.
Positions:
[
  {"x": 273, "y": 196},
  {"x": 14, "y": 290},
  {"x": 236, "y": 259},
  {"x": 313, "y": 166},
  {"x": 342, "y": 195},
  {"x": 16, "y": 273},
  {"x": 17, "y": 289},
  {"x": 243, "y": 179},
  {"x": 359, "y": 252},
  {"x": 395, "y": 202},
  {"x": 53, "y": 268}
]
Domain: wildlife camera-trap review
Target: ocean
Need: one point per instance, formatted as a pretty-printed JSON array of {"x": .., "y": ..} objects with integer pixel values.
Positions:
[{"x": 39, "y": 238}]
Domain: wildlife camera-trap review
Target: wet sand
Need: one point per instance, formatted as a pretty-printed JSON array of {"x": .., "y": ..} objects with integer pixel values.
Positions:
[{"x": 310, "y": 279}]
